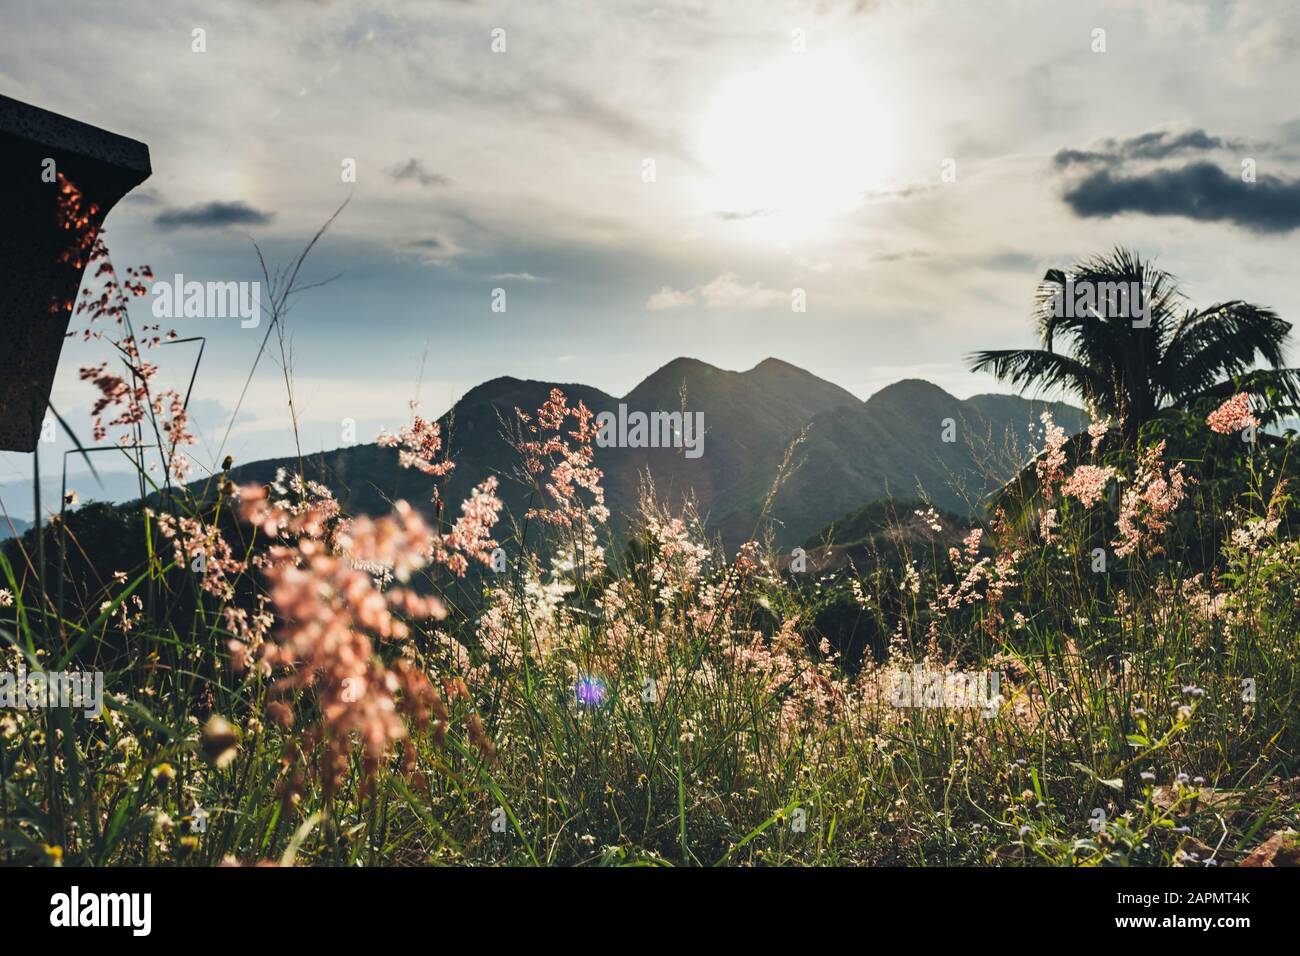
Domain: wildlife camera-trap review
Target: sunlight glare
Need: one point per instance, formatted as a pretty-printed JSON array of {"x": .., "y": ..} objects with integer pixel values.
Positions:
[{"x": 796, "y": 142}]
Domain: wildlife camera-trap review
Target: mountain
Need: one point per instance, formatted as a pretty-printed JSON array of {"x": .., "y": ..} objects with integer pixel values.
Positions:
[
  {"x": 16, "y": 496},
  {"x": 12, "y": 527},
  {"x": 910, "y": 438}
]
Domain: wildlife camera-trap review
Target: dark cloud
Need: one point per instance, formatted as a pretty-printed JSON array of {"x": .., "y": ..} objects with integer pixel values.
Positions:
[
  {"x": 213, "y": 215},
  {"x": 1199, "y": 191},
  {"x": 1158, "y": 144},
  {"x": 901, "y": 256},
  {"x": 900, "y": 192},
  {"x": 1011, "y": 262},
  {"x": 143, "y": 197},
  {"x": 413, "y": 171},
  {"x": 740, "y": 215}
]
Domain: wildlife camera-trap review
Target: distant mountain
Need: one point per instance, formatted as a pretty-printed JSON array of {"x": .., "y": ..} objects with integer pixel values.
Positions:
[
  {"x": 911, "y": 439},
  {"x": 19, "y": 526},
  {"x": 112, "y": 486},
  {"x": 855, "y": 452}
]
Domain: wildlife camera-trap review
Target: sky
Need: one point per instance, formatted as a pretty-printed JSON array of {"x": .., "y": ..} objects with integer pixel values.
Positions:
[{"x": 650, "y": 180}]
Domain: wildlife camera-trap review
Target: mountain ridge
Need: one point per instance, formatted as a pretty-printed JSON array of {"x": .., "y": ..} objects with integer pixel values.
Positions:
[{"x": 852, "y": 451}]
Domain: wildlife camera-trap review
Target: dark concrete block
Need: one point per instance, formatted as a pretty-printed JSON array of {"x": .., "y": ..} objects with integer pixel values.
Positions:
[{"x": 36, "y": 287}]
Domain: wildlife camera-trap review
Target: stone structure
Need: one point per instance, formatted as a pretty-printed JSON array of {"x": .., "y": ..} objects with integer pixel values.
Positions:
[{"x": 36, "y": 286}]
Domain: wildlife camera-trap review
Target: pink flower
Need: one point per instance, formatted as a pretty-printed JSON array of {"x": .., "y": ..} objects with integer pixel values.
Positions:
[
  {"x": 1047, "y": 522},
  {"x": 418, "y": 445},
  {"x": 1232, "y": 416},
  {"x": 1051, "y": 466},
  {"x": 1097, "y": 431},
  {"x": 1088, "y": 484},
  {"x": 471, "y": 536},
  {"x": 330, "y": 616},
  {"x": 571, "y": 463},
  {"x": 1148, "y": 502}
]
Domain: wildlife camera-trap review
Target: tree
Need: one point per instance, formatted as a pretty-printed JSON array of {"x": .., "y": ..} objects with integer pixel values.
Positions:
[{"x": 1135, "y": 351}]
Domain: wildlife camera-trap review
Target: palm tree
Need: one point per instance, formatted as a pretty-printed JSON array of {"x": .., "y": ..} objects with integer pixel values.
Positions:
[{"x": 1134, "y": 365}]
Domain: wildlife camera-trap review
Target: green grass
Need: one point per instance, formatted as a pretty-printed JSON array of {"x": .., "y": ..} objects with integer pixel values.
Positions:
[{"x": 726, "y": 735}]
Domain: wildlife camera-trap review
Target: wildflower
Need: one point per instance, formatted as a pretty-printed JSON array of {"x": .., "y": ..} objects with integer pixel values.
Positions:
[
  {"x": 1047, "y": 523},
  {"x": 164, "y": 770},
  {"x": 478, "y": 735},
  {"x": 1232, "y": 416},
  {"x": 418, "y": 446},
  {"x": 1097, "y": 431},
  {"x": 202, "y": 547},
  {"x": 1088, "y": 484},
  {"x": 470, "y": 536},
  {"x": 1051, "y": 466},
  {"x": 570, "y": 463},
  {"x": 6, "y": 597},
  {"x": 330, "y": 610},
  {"x": 1250, "y": 535},
  {"x": 590, "y": 691},
  {"x": 911, "y": 582},
  {"x": 218, "y": 741},
  {"x": 1148, "y": 502},
  {"x": 70, "y": 498}
]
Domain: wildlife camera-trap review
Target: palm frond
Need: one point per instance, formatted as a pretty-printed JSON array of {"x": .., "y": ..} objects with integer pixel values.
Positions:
[
  {"x": 1222, "y": 341},
  {"x": 1022, "y": 367}
]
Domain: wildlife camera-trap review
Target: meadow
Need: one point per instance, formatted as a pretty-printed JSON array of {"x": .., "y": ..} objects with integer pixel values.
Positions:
[{"x": 1103, "y": 671}]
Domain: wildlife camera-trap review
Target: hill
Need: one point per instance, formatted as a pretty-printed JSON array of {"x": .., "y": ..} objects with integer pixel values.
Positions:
[{"x": 911, "y": 439}]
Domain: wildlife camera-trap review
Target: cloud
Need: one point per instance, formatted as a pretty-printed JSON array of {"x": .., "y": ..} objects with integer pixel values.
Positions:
[
  {"x": 669, "y": 298},
  {"x": 728, "y": 215},
  {"x": 213, "y": 215},
  {"x": 1200, "y": 191},
  {"x": 724, "y": 292},
  {"x": 1127, "y": 175},
  {"x": 143, "y": 197},
  {"x": 413, "y": 171},
  {"x": 728, "y": 292},
  {"x": 432, "y": 249},
  {"x": 517, "y": 277},
  {"x": 1010, "y": 262},
  {"x": 1157, "y": 144}
]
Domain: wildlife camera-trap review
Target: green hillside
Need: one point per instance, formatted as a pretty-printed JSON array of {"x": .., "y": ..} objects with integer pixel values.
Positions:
[{"x": 891, "y": 445}]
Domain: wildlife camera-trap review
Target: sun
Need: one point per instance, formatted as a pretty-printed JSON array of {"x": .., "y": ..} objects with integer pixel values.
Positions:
[{"x": 796, "y": 142}]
